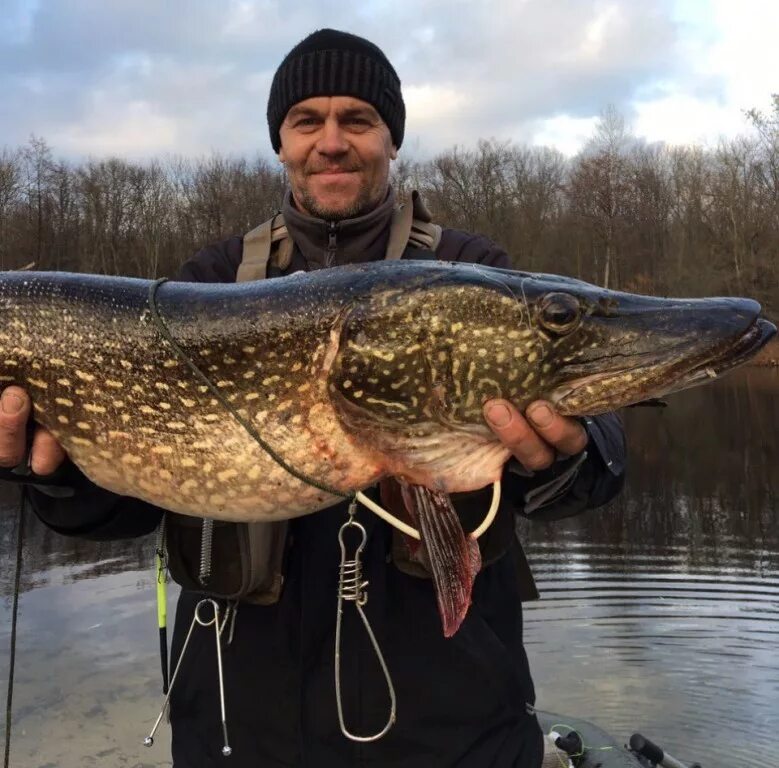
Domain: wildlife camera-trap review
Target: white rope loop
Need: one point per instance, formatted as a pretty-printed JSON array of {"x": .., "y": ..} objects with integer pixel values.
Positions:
[{"x": 409, "y": 530}]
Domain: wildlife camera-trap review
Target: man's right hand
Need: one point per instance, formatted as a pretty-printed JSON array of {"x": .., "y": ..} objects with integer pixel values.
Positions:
[{"x": 46, "y": 453}]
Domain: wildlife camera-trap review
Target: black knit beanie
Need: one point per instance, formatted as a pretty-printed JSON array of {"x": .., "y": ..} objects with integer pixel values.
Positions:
[{"x": 333, "y": 63}]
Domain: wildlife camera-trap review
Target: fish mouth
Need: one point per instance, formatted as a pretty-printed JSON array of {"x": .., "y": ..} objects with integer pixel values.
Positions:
[
  {"x": 617, "y": 388},
  {"x": 738, "y": 352}
]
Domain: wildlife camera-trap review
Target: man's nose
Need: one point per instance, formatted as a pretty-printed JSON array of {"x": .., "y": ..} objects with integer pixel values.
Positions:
[{"x": 332, "y": 140}]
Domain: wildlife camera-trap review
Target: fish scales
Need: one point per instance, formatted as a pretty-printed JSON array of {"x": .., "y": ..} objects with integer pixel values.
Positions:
[{"x": 350, "y": 374}]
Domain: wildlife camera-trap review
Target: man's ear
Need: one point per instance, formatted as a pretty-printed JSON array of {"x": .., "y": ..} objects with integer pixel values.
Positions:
[
  {"x": 282, "y": 157},
  {"x": 394, "y": 153}
]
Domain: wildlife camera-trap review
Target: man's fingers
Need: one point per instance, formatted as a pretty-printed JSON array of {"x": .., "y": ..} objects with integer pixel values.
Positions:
[
  {"x": 563, "y": 433},
  {"x": 517, "y": 435},
  {"x": 47, "y": 454},
  {"x": 14, "y": 412}
]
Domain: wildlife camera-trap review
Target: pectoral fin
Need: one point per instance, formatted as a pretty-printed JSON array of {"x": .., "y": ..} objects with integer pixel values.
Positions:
[{"x": 452, "y": 558}]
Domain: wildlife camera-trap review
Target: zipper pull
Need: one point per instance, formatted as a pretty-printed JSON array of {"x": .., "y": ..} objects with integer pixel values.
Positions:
[{"x": 332, "y": 246}]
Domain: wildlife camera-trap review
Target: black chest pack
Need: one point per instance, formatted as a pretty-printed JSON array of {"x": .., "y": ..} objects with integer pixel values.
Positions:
[{"x": 245, "y": 561}]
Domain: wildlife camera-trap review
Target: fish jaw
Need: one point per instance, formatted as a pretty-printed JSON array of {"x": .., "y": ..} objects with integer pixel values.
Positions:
[{"x": 688, "y": 343}]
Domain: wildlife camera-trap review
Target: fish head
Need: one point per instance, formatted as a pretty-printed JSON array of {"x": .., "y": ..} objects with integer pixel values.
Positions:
[
  {"x": 435, "y": 348},
  {"x": 600, "y": 350}
]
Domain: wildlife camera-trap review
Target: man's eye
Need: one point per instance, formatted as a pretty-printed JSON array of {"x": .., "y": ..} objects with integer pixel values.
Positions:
[{"x": 305, "y": 122}]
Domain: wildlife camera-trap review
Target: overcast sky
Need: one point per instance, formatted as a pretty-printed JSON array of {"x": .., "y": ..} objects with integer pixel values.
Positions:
[{"x": 138, "y": 78}]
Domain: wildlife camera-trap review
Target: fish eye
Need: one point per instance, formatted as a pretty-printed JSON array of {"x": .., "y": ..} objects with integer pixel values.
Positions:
[{"x": 559, "y": 312}]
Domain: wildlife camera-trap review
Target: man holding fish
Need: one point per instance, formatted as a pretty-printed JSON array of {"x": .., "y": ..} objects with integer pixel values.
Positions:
[{"x": 336, "y": 119}]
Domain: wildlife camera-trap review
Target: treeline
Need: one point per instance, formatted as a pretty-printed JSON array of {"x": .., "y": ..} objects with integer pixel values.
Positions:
[{"x": 660, "y": 219}]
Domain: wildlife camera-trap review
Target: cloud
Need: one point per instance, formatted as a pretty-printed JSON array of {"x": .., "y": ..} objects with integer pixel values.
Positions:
[{"x": 140, "y": 77}]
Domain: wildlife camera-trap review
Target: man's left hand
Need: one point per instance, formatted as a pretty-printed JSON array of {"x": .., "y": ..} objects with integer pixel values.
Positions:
[{"x": 539, "y": 436}]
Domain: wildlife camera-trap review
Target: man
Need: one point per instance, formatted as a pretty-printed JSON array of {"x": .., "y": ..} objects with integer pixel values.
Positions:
[{"x": 336, "y": 119}]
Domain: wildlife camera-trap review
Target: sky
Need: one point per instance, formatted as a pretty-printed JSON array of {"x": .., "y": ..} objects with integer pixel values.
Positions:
[{"x": 143, "y": 78}]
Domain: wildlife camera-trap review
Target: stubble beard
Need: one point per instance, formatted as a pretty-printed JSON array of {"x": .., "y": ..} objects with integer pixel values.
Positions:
[{"x": 364, "y": 203}]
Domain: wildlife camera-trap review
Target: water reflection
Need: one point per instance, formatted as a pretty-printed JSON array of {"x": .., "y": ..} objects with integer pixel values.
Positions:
[{"x": 659, "y": 613}]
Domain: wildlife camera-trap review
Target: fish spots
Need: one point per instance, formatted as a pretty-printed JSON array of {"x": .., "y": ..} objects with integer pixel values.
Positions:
[
  {"x": 148, "y": 410},
  {"x": 93, "y": 408},
  {"x": 227, "y": 474},
  {"x": 188, "y": 462},
  {"x": 176, "y": 425},
  {"x": 252, "y": 396},
  {"x": 37, "y": 383},
  {"x": 170, "y": 363},
  {"x": 270, "y": 380},
  {"x": 62, "y": 419},
  {"x": 84, "y": 376},
  {"x": 83, "y": 425},
  {"x": 83, "y": 441},
  {"x": 64, "y": 401},
  {"x": 304, "y": 387},
  {"x": 57, "y": 362},
  {"x": 188, "y": 402},
  {"x": 113, "y": 384},
  {"x": 162, "y": 450}
]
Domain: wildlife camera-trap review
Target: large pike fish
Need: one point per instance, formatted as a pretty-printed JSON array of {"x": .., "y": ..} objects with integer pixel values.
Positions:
[{"x": 350, "y": 375}]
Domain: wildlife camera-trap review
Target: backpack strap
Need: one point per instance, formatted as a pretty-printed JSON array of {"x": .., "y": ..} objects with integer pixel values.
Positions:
[
  {"x": 258, "y": 249},
  {"x": 412, "y": 225}
]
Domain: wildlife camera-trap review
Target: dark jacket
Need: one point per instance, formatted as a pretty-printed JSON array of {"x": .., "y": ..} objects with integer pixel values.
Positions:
[{"x": 463, "y": 701}]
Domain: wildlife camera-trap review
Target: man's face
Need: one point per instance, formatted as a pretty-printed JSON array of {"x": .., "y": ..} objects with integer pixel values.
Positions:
[{"x": 337, "y": 151}]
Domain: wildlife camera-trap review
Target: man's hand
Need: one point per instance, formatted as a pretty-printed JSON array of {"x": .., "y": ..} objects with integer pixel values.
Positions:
[
  {"x": 46, "y": 453},
  {"x": 535, "y": 437}
]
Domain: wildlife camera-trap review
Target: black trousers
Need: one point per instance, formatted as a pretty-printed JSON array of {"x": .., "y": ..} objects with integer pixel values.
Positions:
[{"x": 462, "y": 701}]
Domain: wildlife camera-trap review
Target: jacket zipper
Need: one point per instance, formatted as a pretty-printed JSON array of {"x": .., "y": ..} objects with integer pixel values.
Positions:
[{"x": 332, "y": 231}]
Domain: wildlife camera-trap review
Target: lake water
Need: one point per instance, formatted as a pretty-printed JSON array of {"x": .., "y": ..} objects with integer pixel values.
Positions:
[{"x": 659, "y": 613}]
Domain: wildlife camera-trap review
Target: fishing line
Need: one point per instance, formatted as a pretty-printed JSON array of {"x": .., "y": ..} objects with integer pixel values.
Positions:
[{"x": 14, "y": 623}]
